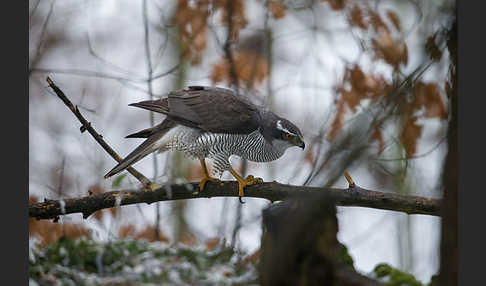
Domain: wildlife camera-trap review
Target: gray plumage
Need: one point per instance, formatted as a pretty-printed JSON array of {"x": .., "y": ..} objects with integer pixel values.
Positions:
[{"x": 209, "y": 122}]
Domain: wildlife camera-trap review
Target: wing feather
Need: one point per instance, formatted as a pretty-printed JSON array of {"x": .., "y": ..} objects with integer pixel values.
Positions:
[
  {"x": 214, "y": 109},
  {"x": 211, "y": 109}
]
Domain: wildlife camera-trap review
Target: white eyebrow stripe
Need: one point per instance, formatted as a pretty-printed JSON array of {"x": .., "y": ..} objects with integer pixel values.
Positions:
[{"x": 280, "y": 127}]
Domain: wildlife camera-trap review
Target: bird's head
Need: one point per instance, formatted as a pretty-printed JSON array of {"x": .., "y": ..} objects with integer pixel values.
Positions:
[{"x": 285, "y": 133}]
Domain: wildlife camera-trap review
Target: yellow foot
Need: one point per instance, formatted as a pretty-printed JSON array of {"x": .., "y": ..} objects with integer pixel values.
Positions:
[
  {"x": 204, "y": 180},
  {"x": 242, "y": 183}
]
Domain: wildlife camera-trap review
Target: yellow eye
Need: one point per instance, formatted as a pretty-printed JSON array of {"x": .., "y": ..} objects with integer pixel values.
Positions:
[{"x": 288, "y": 136}]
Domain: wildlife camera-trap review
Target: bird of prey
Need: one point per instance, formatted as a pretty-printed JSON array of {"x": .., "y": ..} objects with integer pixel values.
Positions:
[{"x": 211, "y": 122}]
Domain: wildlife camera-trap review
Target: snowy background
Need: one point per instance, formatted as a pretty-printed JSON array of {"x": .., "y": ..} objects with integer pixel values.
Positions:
[{"x": 95, "y": 52}]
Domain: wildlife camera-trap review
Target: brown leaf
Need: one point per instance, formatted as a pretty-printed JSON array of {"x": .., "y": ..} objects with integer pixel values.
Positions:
[
  {"x": 394, "y": 19},
  {"x": 189, "y": 239},
  {"x": 356, "y": 17},
  {"x": 148, "y": 233},
  {"x": 411, "y": 132},
  {"x": 377, "y": 22},
  {"x": 277, "y": 8},
  {"x": 49, "y": 232},
  {"x": 366, "y": 85},
  {"x": 238, "y": 19},
  {"x": 212, "y": 243},
  {"x": 427, "y": 95},
  {"x": 192, "y": 23},
  {"x": 352, "y": 99},
  {"x": 338, "y": 120},
  {"x": 378, "y": 136},
  {"x": 126, "y": 231},
  {"x": 432, "y": 49},
  {"x": 249, "y": 67},
  {"x": 253, "y": 258},
  {"x": 394, "y": 52},
  {"x": 336, "y": 4},
  {"x": 98, "y": 215}
]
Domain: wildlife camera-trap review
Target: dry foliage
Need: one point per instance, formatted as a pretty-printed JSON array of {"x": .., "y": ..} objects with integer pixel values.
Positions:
[
  {"x": 389, "y": 47},
  {"x": 212, "y": 243},
  {"x": 432, "y": 49},
  {"x": 235, "y": 8},
  {"x": 189, "y": 239},
  {"x": 394, "y": 19},
  {"x": 427, "y": 96},
  {"x": 192, "y": 23},
  {"x": 356, "y": 17},
  {"x": 192, "y": 20},
  {"x": 361, "y": 86},
  {"x": 49, "y": 232},
  {"x": 253, "y": 258},
  {"x": 376, "y": 22},
  {"x": 378, "y": 137},
  {"x": 336, "y": 4},
  {"x": 411, "y": 131},
  {"x": 277, "y": 9},
  {"x": 148, "y": 233},
  {"x": 249, "y": 67},
  {"x": 393, "y": 51},
  {"x": 427, "y": 102}
]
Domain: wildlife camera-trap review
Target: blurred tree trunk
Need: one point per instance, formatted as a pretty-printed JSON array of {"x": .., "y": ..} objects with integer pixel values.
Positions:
[
  {"x": 179, "y": 166},
  {"x": 449, "y": 260},
  {"x": 300, "y": 247}
]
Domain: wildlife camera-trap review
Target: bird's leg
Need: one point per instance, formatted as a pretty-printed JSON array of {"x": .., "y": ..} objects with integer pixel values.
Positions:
[
  {"x": 206, "y": 176},
  {"x": 242, "y": 183}
]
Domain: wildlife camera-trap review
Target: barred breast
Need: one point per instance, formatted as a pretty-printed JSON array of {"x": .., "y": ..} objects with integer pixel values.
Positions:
[{"x": 220, "y": 146}]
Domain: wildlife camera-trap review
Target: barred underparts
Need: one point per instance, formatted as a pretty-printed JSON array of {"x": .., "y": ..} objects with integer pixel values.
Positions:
[{"x": 220, "y": 146}]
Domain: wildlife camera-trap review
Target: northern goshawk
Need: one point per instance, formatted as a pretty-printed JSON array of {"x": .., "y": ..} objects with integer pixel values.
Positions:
[{"x": 209, "y": 122}]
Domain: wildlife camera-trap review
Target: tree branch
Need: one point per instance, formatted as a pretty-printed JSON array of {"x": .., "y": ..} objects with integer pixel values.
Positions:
[
  {"x": 98, "y": 137},
  {"x": 356, "y": 196}
]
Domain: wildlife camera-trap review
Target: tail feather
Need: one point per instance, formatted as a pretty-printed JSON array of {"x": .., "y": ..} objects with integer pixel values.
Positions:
[
  {"x": 148, "y": 146},
  {"x": 142, "y": 134}
]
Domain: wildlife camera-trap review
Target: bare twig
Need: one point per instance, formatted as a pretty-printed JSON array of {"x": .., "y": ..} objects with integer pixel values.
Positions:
[
  {"x": 98, "y": 137},
  {"x": 273, "y": 191},
  {"x": 41, "y": 39},
  {"x": 88, "y": 73}
]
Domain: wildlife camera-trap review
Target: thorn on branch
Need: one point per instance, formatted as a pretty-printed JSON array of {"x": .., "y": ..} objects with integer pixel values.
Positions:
[
  {"x": 350, "y": 180},
  {"x": 84, "y": 128}
]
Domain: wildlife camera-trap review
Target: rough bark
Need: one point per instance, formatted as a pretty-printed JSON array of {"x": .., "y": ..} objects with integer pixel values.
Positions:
[
  {"x": 300, "y": 247},
  {"x": 273, "y": 191},
  {"x": 449, "y": 250}
]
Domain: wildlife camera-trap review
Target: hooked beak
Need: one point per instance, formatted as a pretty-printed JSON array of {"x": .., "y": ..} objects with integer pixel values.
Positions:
[{"x": 301, "y": 143}]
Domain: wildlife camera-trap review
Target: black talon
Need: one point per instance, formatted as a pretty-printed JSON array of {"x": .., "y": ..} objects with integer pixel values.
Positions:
[{"x": 241, "y": 201}]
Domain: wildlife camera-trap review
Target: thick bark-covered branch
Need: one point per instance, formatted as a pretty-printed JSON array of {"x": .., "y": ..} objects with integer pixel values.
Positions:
[{"x": 273, "y": 191}]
